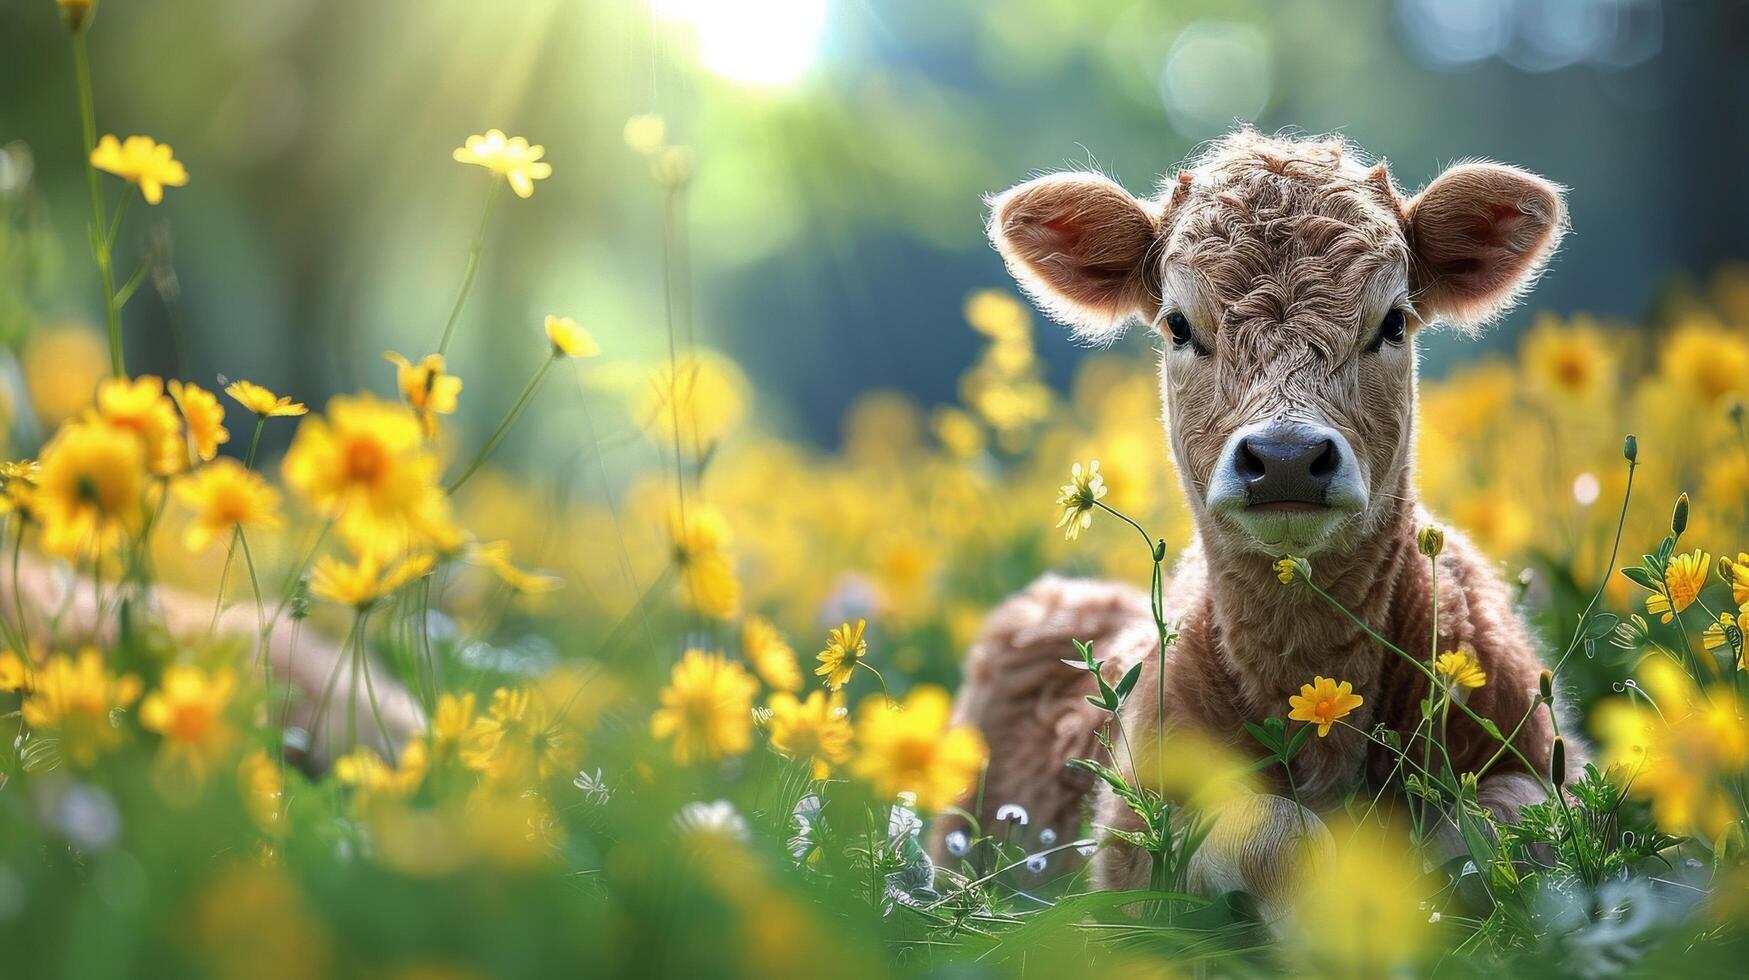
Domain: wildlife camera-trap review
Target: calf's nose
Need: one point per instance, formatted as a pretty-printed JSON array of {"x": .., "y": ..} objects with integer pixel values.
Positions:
[{"x": 1290, "y": 463}]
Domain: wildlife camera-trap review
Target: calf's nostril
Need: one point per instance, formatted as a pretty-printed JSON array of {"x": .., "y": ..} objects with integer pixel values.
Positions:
[
  {"x": 1324, "y": 466},
  {"x": 1247, "y": 462}
]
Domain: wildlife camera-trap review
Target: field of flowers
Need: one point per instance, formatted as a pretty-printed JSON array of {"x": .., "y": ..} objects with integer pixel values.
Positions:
[{"x": 683, "y": 708}]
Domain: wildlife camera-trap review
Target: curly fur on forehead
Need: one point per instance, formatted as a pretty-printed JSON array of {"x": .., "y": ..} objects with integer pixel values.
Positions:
[{"x": 1280, "y": 229}]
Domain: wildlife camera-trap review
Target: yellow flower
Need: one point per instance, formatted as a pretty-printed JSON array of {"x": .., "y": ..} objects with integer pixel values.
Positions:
[
  {"x": 62, "y": 366},
  {"x": 14, "y": 674},
  {"x": 772, "y": 658},
  {"x": 1078, "y": 498},
  {"x": 703, "y": 393},
  {"x": 646, "y": 133},
  {"x": 998, "y": 314},
  {"x": 90, "y": 493},
  {"x": 707, "y": 708},
  {"x": 815, "y": 732},
  {"x": 1347, "y": 905},
  {"x": 366, "y": 771},
  {"x": 1323, "y": 703},
  {"x": 513, "y": 159},
  {"x": 140, "y": 160},
  {"x": 204, "y": 416},
  {"x": 958, "y": 431},
  {"x": 1684, "y": 754},
  {"x": 1718, "y": 633},
  {"x": 521, "y": 741},
  {"x": 225, "y": 495},
  {"x": 569, "y": 339},
  {"x": 1461, "y": 669},
  {"x": 188, "y": 710},
  {"x": 360, "y": 584},
  {"x": 1285, "y": 569},
  {"x": 1736, "y": 572},
  {"x": 367, "y": 464},
  {"x": 911, "y": 748},
  {"x": 496, "y": 556},
  {"x": 140, "y": 408},
  {"x": 700, "y": 539},
  {"x": 18, "y": 484},
  {"x": 1573, "y": 365},
  {"x": 426, "y": 387},
  {"x": 1683, "y": 579},
  {"x": 450, "y": 722},
  {"x": 74, "y": 698},
  {"x": 263, "y": 790},
  {"x": 262, "y": 402},
  {"x": 845, "y": 648}
]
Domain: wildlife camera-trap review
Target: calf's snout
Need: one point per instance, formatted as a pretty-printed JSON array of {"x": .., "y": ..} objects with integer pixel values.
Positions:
[{"x": 1291, "y": 463}]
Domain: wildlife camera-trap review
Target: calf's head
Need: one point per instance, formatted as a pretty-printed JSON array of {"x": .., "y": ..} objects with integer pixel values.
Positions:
[{"x": 1287, "y": 279}]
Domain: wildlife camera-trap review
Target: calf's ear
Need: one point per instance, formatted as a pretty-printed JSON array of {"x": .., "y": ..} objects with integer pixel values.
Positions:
[
  {"x": 1481, "y": 233},
  {"x": 1083, "y": 248}
]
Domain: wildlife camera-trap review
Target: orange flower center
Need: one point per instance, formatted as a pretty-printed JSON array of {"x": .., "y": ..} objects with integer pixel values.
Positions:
[{"x": 365, "y": 461}]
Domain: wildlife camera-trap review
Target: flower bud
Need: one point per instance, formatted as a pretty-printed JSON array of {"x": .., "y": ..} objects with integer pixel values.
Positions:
[
  {"x": 1630, "y": 448},
  {"x": 1160, "y": 550},
  {"x": 1431, "y": 541},
  {"x": 1545, "y": 684},
  {"x": 1558, "y": 762},
  {"x": 76, "y": 14},
  {"x": 1679, "y": 517}
]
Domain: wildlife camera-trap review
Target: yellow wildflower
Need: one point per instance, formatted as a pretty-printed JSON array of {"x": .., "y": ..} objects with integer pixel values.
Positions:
[
  {"x": 845, "y": 648},
  {"x": 1718, "y": 633},
  {"x": 496, "y": 556},
  {"x": 1572, "y": 365},
  {"x": 646, "y": 133},
  {"x": 1323, "y": 703},
  {"x": 450, "y": 722},
  {"x": 140, "y": 160},
  {"x": 706, "y": 709},
  {"x": 911, "y": 748},
  {"x": 1683, "y": 579},
  {"x": 426, "y": 387},
  {"x": 18, "y": 482},
  {"x": 1684, "y": 754},
  {"x": 366, "y": 771},
  {"x": 91, "y": 489},
  {"x": 569, "y": 338},
  {"x": 1285, "y": 569},
  {"x": 140, "y": 408},
  {"x": 511, "y": 158},
  {"x": 361, "y": 583},
  {"x": 704, "y": 393},
  {"x": 188, "y": 710},
  {"x": 263, "y": 790},
  {"x": 225, "y": 495},
  {"x": 520, "y": 740},
  {"x": 773, "y": 659},
  {"x": 14, "y": 673},
  {"x": 1078, "y": 498},
  {"x": 1736, "y": 572},
  {"x": 264, "y": 403},
  {"x": 367, "y": 464},
  {"x": 700, "y": 539},
  {"x": 203, "y": 415},
  {"x": 74, "y": 698},
  {"x": 815, "y": 732},
  {"x": 1461, "y": 669}
]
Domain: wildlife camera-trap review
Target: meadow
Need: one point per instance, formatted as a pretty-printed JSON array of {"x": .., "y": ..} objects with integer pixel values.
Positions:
[{"x": 683, "y": 702}]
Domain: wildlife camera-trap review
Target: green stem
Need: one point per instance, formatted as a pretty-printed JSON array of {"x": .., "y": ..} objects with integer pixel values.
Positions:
[
  {"x": 1432, "y": 680},
  {"x": 17, "y": 595},
  {"x": 254, "y": 442},
  {"x": 100, "y": 243},
  {"x": 510, "y": 418},
  {"x": 473, "y": 268},
  {"x": 260, "y": 611}
]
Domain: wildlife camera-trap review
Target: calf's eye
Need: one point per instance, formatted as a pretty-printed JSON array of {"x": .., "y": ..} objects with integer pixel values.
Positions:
[
  {"x": 1179, "y": 327},
  {"x": 1394, "y": 329}
]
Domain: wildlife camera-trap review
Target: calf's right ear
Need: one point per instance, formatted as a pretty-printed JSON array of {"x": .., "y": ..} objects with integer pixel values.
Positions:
[{"x": 1083, "y": 248}]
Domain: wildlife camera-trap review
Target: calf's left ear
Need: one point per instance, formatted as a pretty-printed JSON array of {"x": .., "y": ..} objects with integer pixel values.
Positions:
[{"x": 1481, "y": 234}]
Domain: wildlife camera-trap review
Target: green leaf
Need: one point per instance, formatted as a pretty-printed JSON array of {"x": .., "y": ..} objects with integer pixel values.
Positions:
[
  {"x": 1492, "y": 729},
  {"x": 1127, "y": 682},
  {"x": 1299, "y": 740},
  {"x": 1270, "y": 740},
  {"x": 1640, "y": 577},
  {"x": 1600, "y": 625}
]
